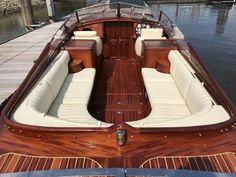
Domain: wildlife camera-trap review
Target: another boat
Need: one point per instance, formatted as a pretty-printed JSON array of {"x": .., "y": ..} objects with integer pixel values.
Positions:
[{"x": 117, "y": 88}]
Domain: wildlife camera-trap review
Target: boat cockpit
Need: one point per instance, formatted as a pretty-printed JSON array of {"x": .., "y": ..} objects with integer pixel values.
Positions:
[{"x": 116, "y": 68}]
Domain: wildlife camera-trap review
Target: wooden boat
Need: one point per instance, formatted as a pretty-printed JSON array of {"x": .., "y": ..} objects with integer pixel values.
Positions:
[{"x": 117, "y": 88}]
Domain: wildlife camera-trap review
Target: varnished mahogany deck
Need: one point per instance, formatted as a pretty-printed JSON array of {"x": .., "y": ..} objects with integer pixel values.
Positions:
[
  {"x": 118, "y": 95},
  {"x": 223, "y": 163},
  {"x": 12, "y": 162}
]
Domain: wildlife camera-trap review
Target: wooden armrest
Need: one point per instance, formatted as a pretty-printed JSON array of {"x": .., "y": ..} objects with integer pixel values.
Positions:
[{"x": 75, "y": 66}]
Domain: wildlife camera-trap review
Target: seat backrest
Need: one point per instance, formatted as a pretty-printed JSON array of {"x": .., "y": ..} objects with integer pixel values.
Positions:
[
  {"x": 85, "y": 33},
  {"x": 90, "y": 35},
  {"x": 46, "y": 91},
  {"x": 57, "y": 74},
  {"x": 152, "y": 33},
  {"x": 190, "y": 88},
  {"x": 40, "y": 99},
  {"x": 196, "y": 98}
]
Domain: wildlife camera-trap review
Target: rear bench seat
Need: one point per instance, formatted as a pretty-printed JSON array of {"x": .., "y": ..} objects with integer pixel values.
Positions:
[
  {"x": 60, "y": 99},
  {"x": 178, "y": 99}
]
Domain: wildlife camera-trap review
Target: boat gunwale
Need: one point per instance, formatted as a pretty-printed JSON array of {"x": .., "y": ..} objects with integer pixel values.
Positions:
[{"x": 20, "y": 93}]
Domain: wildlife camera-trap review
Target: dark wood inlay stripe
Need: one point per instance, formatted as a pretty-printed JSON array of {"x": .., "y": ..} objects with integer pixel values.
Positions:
[
  {"x": 12, "y": 162},
  {"x": 6, "y": 163},
  {"x": 225, "y": 163}
]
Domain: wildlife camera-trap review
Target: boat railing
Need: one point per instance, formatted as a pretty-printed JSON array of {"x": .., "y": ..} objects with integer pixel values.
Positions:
[{"x": 166, "y": 23}]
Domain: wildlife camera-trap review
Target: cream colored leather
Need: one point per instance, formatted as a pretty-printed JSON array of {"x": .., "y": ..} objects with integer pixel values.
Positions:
[
  {"x": 163, "y": 92},
  {"x": 85, "y": 33},
  {"x": 87, "y": 74},
  {"x": 75, "y": 92},
  {"x": 178, "y": 100},
  {"x": 59, "y": 99},
  {"x": 40, "y": 100},
  {"x": 151, "y": 33},
  {"x": 90, "y": 35},
  {"x": 196, "y": 98},
  {"x": 73, "y": 113},
  {"x": 151, "y": 74}
]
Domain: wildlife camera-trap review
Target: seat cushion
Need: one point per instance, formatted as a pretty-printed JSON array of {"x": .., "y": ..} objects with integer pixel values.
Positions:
[
  {"x": 87, "y": 74},
  {"x": 165, "y": 112},
  {"x": 75, "y": 92},
  {"x": 163, "y": 92},
  {"x": 162, "y": 113},
  {"x": 151, "y": 74},
  {"x": 73, "y": 113},
  {"x": 152, "y": 33}
]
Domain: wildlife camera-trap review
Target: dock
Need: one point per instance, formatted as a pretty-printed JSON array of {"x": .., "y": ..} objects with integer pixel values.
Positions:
[{"x": 17, "y": 57}]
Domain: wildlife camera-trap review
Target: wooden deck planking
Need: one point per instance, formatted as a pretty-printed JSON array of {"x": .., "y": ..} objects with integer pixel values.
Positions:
[
  {"x": 12, "y": 162},
  {"x": 17, "y": 56},
  {"x": 215, "y": 163},
  {"x": 119, "y": 94}
]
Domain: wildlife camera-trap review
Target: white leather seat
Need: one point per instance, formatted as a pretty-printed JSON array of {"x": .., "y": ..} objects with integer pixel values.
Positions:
[
  {"x": 150, "y": 33},
  {"x": 151, "y": 74},
  {"x": 40, "y": 100},
  {"x": 178, "y": 100},
  {"x": 59, "y": 99},
  {"x": 90, "y": 35},
  {"x": 163, "y": 92},
  {"x": 73, "y": 113},
  {"x": 87, "y": 74}
]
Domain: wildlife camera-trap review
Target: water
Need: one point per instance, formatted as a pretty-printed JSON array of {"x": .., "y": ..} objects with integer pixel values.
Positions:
[
  {"x": 12, "y": 26},
  {"x": 210, "y": 29}
]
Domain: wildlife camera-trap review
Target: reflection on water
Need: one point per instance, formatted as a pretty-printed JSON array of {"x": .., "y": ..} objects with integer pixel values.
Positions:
[
  {"x": 222, "y": 19},
  {"x": 12, "y": 25},
  {"x": 211, "y": 30}
]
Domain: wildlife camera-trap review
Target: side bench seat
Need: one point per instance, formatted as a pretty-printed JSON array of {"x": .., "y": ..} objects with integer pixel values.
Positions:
[
  {"x": 178, "y": 99},
  {"x": 60, "y": 99}
]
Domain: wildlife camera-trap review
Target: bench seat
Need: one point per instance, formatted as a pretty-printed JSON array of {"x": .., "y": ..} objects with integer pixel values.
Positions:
[
  {"x": 59, "y": 99},
  {"x": 178, "y": 99}
]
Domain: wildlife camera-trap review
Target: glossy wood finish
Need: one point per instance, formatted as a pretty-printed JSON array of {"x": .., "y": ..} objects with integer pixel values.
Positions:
[
  {"x": 119, "y": 41},
  {"x": 118, "y": 95},
  {"x": 13, "y": 162},
  {"x": 75, "y": 66},
  {"x": 222, "y": 163},
  {"x": 119, "y": 89},
  {"x": 155, "y": 54},
  {"x": 83, "y": 50}
]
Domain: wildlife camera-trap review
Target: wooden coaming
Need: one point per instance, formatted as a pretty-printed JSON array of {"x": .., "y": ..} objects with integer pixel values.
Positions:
[{"x": 37, "y": 69}]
